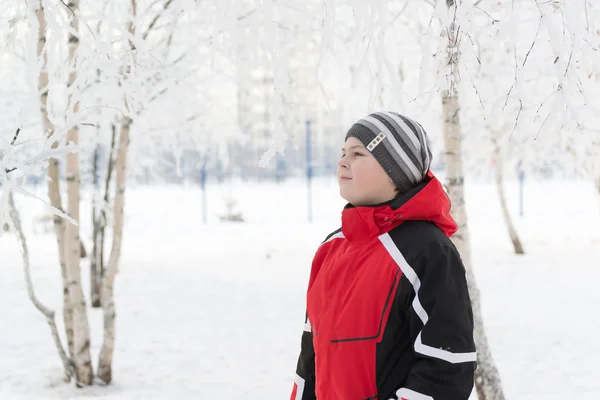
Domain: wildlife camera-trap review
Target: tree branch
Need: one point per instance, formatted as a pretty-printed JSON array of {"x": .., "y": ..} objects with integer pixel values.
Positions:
[
  {"x": 12, "y": 143},
  {"x": 517, "y": 119},
  {"x": 15, "y": 224},
  {"x": 68, "y": 7},
  {"x": 74, "y": 15},
  {"x": 568, "y": 64},
  {"x": 147, "y": 10},
  {"x": 494, "y": 20},
  {"x": 156, "y": 18},
  {"x": 587, "y": 18},
  {"x": 534, "y": 39}
]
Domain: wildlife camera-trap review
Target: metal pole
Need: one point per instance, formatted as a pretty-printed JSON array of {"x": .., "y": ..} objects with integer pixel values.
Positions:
[{"x": 203, "y": 186}]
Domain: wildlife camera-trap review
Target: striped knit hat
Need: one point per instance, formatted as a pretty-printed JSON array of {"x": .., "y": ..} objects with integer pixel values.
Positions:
[{"x": 398, "y": 143}]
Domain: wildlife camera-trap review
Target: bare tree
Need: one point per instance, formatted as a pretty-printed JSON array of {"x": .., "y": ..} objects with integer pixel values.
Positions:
[
  {"x": 53, "y": 175},
  {"x": 108, "y": 304},
  {"x": 118, "y": 166},
  {"x": 512, "y": 232},
  {"x": 487, "y": 377},
  {"x": 81, "y": 331},
  {"x": 99, "y": 210},
  {"x": 108, "y": 279},
  {"x": 493, "y": 69},
  {"x": 99, "y": 220},
  {"x": 66, "y": 224},
  {"x": 96, "y": 257}
]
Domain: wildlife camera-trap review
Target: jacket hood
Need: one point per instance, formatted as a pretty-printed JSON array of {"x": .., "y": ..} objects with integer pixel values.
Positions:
[{"x": 426, "y": 202}]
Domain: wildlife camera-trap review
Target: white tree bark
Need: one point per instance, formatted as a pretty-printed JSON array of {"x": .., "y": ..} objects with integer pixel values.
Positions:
[
  {"x": 48, "y": 313},
  {"x": 54, "y": 179},
  {"x": 81, "y": 331},
  {"x": 108, "y": 304},
  {"x": 98, "y": 209},
  {"x": 487, "y": 377},
  {"x": 108, "y": 279},
  {"x": 512, "y": 232}
]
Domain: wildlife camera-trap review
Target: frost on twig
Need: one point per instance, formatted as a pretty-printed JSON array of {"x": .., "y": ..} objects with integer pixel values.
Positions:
[{"x": 14, "y": 221}]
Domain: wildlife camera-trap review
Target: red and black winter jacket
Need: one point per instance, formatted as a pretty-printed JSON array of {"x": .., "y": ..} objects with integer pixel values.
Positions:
[{"x": 388, "y": 313}]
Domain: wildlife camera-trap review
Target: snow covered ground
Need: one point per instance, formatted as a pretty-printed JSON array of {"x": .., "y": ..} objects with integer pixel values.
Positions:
[{"x": 216, "y": 311}]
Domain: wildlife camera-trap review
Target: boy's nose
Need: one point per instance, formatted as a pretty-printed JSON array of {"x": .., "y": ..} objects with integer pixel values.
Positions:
[{"x": 342, "y": 163}]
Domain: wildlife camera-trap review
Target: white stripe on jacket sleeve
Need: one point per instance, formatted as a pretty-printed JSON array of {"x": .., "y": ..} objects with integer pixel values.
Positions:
[
  {"x": 407, "y": 394},
  {"x": 412, "y": 276},
  {"x": 299, "y": 387}
]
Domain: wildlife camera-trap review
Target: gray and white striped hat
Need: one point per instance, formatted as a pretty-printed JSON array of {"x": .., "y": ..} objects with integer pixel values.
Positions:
[{"x": 398, "y": 143}]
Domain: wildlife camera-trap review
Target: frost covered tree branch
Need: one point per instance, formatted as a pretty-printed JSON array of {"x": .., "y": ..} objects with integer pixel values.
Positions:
[
  {"x": 12, "y": 143},
  {"x": 15, "y": 224}
]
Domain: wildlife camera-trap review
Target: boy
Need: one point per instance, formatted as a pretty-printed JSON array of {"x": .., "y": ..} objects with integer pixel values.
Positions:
[{"x": 388, "y": 313}]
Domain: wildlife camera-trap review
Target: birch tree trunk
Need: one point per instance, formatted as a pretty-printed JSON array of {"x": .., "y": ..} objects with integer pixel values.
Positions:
[
  {"x": 48, "y": 313},
  {"x": 512, "y": 232},
  {"x": 54, "y": 179},
  {"x": 99, "y": 224},
  {"x": 96, "y": 261},
  {"x": 108, "y": 304},
  {"x": 81, "y": 331},
  {"x": 95, "y": 278},
  {"x": 487, "y": 377},
  {"x": 108, "y": 279}
]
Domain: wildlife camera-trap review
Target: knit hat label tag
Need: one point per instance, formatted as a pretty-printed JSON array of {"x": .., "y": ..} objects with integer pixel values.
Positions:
[{"x": 378, "y": 139}]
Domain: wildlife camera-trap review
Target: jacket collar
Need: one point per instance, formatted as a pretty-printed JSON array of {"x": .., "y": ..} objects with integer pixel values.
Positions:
[{"x": 426, "y": 202}]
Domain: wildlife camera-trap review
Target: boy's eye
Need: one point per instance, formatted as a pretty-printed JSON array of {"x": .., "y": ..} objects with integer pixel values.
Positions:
[{"x": 354, "y": 154}]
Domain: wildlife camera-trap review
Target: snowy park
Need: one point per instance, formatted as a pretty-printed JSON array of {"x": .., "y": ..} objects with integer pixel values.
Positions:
[
  {"x": 168, "y": 170},
  {"x": 217, "y": 310}
]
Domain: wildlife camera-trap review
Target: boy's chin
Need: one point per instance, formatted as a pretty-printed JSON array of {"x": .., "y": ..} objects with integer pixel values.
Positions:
[
  {"x": 344, "y": 195},
  {"x": 354, "y": 200}
]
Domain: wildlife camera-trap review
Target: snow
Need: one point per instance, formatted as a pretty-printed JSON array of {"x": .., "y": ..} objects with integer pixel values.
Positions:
[{"x": 216, "y": 311}]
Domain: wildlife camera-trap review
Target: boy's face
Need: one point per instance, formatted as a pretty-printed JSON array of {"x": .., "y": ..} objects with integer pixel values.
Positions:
[{"x": 361, "y": 178}]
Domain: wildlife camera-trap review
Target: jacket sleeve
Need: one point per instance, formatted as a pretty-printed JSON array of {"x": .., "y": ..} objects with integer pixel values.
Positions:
[
  {"x": 304, "y": 382},
  {"x": 441, "y": 326}
]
